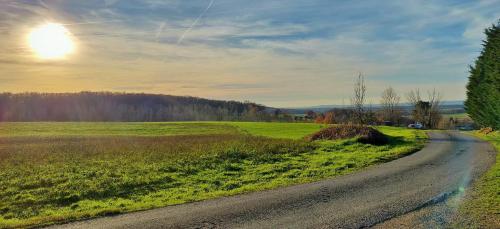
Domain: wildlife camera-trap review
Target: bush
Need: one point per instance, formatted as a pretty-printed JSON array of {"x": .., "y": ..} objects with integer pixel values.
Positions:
[{"x": 364, "y": 134}]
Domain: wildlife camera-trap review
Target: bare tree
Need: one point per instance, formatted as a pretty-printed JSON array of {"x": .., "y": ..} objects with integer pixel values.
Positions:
[
  {"x": 390, "y": 105},
  {"x": 329, "y": 118},
  {"x": 414, "y": 96},
  {"x": 419, "y": 106},
  {"x": 358, "y": 99},
  {"x": 434, "y": 114},
  {"x": 425, "y": 112}
]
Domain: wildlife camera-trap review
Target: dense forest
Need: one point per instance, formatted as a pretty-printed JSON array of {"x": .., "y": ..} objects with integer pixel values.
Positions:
[{"x": 107, "y": 106}]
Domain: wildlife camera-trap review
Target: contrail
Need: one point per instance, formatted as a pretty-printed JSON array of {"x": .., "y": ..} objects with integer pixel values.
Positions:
[
  {"x": 195, "y": 22},
  {"x": 160, "y": 30},
  {"x": 42, "y": 3}
]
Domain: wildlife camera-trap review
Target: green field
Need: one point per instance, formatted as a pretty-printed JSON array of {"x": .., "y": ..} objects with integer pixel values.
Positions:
[
  {"x": 47, "y": 129},
  {"x": 58, "y": 172},
  {"x": 483, "y": 205},
  {"x": 456, "y": 116}
]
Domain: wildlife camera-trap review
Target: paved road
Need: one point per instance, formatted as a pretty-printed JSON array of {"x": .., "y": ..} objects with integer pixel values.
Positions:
[{"x": 447, "y": 164}]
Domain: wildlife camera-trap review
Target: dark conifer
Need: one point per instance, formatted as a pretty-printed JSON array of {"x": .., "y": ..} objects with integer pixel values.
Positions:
[{"x": 483, "y": 89}]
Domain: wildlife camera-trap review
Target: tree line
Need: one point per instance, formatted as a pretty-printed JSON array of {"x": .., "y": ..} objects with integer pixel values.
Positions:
[
  {"x": 108, "y": 106},
  {"x": 425, "y": 110}
]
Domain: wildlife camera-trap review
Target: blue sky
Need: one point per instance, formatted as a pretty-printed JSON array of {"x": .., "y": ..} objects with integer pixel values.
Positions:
[{"x": 279, "y": 53}]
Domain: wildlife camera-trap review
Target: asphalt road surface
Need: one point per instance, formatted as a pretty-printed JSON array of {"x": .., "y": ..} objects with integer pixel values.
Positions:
[{"x": 369, "y": 198}]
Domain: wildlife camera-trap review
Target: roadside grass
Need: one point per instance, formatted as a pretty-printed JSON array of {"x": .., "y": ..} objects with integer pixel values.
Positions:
[
  {"x": 482, "y": 207},
  {"x": 54, "y": 178}
]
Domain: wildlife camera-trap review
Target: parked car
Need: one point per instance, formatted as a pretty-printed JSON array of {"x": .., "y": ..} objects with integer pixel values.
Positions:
[
  {"x": 416, "y": 125},
  {"x": 465, "y": 128}
]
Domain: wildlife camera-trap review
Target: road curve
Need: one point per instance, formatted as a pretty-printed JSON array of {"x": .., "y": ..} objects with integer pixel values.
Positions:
[{"x": 448, "y": 163}]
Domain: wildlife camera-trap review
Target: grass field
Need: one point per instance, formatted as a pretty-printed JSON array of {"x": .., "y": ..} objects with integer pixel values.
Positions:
[
  {"x": 47, "y": 129},
  {"x": 483, "y": 204},
  {"x": 58, "y": 172},
  {"x": 456, "y": 116}
]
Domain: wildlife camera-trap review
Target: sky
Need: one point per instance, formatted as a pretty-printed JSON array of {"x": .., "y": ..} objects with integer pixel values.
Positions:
[{"x": 279, "y": 53}]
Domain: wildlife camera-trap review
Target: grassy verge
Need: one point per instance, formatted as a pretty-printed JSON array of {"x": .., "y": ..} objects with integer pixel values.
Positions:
[
  {"x": 48, "y": 175},
  {"x": 482, "y": 208}
]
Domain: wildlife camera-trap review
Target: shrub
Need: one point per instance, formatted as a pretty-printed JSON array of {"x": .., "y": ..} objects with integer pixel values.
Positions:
[
  {"x": 486, "y": 130},
  {"x": 364, "y": 134}
]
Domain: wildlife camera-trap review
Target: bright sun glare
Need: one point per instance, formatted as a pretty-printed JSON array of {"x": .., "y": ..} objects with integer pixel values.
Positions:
[{"x": 51, "y": 41}]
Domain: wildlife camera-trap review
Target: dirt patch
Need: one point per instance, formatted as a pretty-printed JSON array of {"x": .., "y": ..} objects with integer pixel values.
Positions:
[{"x": 364, "y": 134}]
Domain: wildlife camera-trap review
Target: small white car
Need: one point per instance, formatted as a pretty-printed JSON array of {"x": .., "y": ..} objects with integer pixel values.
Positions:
[{"x": 416, "y": 125}]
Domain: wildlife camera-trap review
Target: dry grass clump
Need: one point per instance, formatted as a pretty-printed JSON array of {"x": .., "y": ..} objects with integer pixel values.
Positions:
[
  {"x": 486, "y": 130},
  {"x": 364, "y": 134}
]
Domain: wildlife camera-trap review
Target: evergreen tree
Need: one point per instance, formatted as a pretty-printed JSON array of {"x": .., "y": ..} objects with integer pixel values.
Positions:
[{"x": 483, "y": 89}]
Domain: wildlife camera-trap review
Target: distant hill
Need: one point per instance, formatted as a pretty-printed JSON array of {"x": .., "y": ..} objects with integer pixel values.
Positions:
[{"x": 107, "y": 106}]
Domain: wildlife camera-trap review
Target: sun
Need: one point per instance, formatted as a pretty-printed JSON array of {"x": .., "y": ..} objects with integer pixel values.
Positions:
[{"x": 51, "y": 41}]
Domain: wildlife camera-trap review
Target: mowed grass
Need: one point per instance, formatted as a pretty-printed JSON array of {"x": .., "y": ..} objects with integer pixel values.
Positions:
[
  {"x": 47, "y": 129},
  {"x": 267, "y": 129},
  {"x": 278, "y": 129},
  {"x": 49, "y": 174},
  {"x": 483, "y": 205}
]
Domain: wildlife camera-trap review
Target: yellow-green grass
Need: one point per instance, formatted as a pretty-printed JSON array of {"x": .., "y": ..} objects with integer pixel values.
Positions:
[
  {"x": 47, "y": 129},
  {"x": 456, "y": 116},
  {"x": 482, "y": 207},
  {"x": 278, "y": 129},
  {"x": 52, "y": 175},
  {"x": 268, "y": 129}
]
